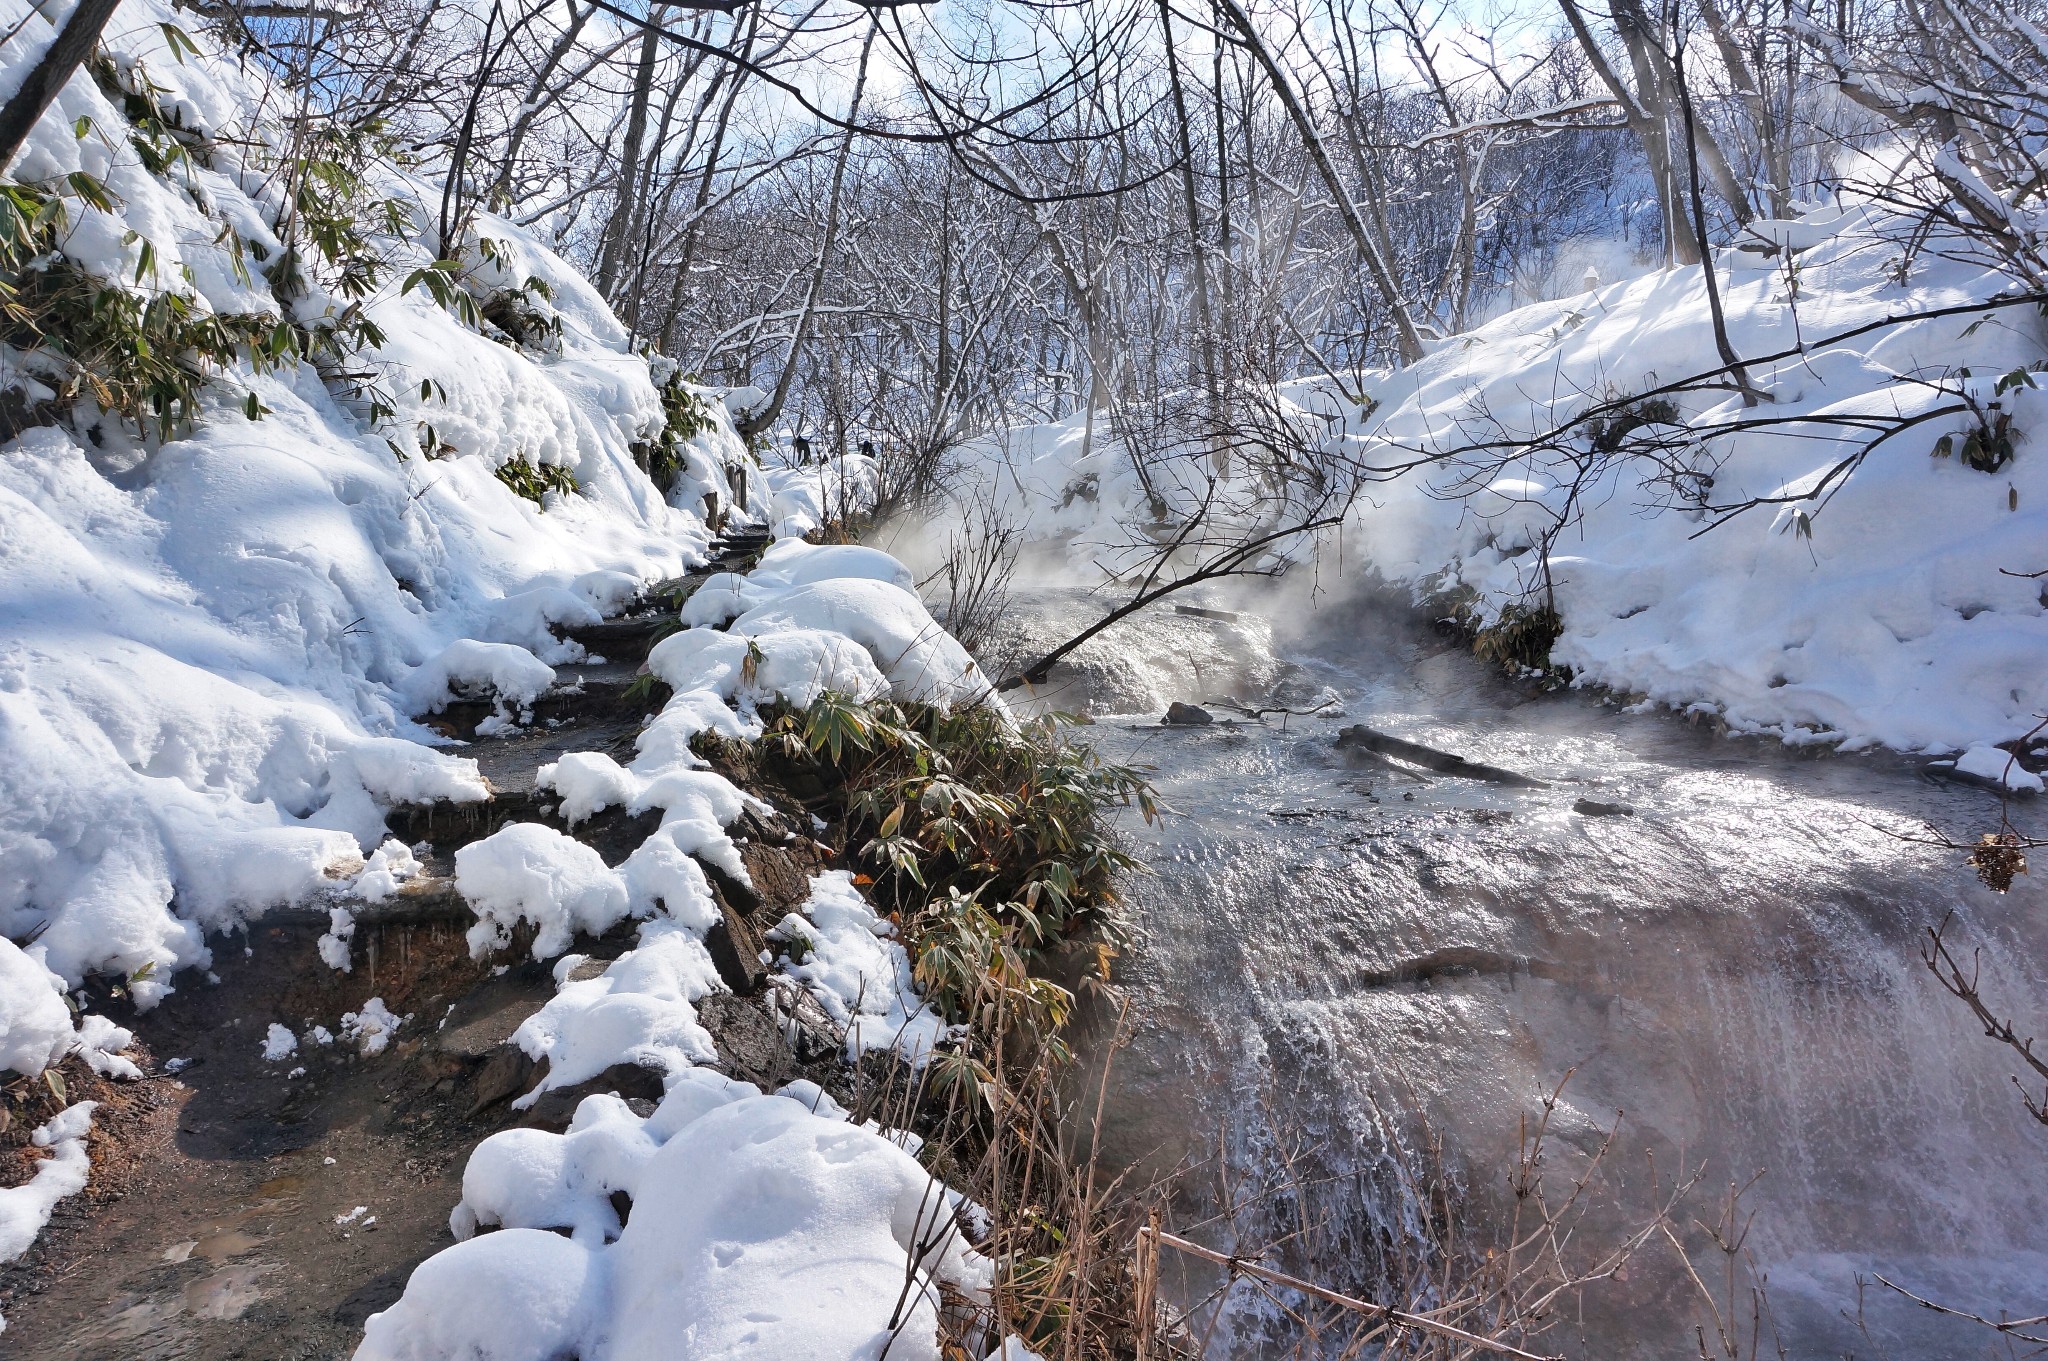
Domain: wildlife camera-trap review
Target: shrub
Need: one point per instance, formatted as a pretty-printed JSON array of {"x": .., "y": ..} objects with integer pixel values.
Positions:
[
  {"x": 1520, "y": 638},
  {"x": 986, "y": 840},
  {"x": 686, "y": 414},
  {"x": 535, "y": 480},
  {"x": 142, "y": 356}
]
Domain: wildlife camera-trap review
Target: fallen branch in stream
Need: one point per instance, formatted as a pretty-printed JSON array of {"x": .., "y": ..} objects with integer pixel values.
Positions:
[
  {"x": 1362, "y": 738},
  {"x": 1238, "y": 1266},
  {"x": 1259, "y": 715}
]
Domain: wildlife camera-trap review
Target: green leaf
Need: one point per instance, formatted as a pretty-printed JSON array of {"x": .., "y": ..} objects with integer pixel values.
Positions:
[
  {"x": 179, "y": 41},
  {"x": 91, "y": 190}
]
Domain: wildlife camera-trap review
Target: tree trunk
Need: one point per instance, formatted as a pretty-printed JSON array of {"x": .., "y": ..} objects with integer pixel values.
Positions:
[
  {"x": 758, "y": 422},
  {"x": 47, "y": 78},
  {"x": 1409, "y": 340},
  {"x": 618, "y": 231}
]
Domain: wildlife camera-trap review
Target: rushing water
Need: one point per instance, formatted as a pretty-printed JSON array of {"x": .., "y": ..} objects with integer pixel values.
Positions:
[{"x": 1333, "y": 958}]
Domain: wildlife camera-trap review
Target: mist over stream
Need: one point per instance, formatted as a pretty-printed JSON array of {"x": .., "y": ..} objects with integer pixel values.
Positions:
[{"x": 1329, "y": 955}]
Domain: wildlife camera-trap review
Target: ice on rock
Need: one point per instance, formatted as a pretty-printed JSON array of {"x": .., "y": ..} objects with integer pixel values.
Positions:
[
  {"x": 371, "y": 1028},
  {"x": 279, "y": 1044},
  {"x": 390, "y": 865}
]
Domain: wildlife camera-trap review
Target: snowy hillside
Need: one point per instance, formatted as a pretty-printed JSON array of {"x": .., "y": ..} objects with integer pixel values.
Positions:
[
  {"x": 213, "y": 651},
  {"x": 1894, "y": 607},
  {"x": 220, "y": 642}
]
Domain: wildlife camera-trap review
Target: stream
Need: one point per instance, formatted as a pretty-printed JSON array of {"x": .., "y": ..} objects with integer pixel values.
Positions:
[{"x": 1344, "y": 977}]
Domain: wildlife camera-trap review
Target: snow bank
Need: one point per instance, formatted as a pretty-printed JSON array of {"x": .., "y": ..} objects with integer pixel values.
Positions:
[
  {"x": 212, "y": 651},
  {"x": 1884, "y": 612},
  {"x": 759, "y": 1228},
  {"x": 811, "y": 495}
]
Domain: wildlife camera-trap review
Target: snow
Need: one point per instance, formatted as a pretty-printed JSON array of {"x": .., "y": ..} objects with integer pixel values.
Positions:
[
  {"x": 1896, "y": 610},
  {"x": 279, "y": 1044},
  {"x": 215, "y": 655},
  {"x": 371, "y": 1028},
  {"x": 807, "y": 496},
  {"x": 759, "y": 1228},
  {"x": 213, "y": 652},
  {"x": 858, "y": 972},
  {"x": 25, "y": 1209},
  {"x": 1990, "y": 763},
  {"x": 637, "y": 1011},
  {"x": 35, "y": 1025},
  {"x": 530, "y": 873},
  {"x": 505, "y": 673}
]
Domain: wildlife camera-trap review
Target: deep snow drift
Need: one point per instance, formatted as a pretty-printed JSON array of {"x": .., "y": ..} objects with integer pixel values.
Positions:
[{"x": 1896, "y": 609}]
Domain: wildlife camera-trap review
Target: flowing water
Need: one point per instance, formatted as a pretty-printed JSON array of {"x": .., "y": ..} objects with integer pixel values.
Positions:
[{"x": 1334, "y": 958}]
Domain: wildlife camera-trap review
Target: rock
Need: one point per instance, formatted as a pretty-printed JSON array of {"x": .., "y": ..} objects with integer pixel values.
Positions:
[
  {"x": 486, "y": 1017},
  {"x": 751, "y": 1046},
  {"x": 504, "y": 1075},
  {"x": 555, "y": 1109},
  {"x": 781, "y": 875},
  {"x": 1181, "y": 715},
  {"x": 735, "y": 948},
  {"x": 1592, "y": 808}
]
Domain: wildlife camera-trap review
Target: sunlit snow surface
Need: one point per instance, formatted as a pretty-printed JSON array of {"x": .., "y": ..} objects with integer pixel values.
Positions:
[{"x": 1735, "y": 965}]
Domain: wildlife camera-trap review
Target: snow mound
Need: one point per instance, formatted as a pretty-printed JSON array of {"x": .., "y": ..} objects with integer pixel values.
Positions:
[
  {"x": 637, "y": 1011},
  {"x": 35, "y": 1025},
  {"x": 530, "y": 873},
  {"x": 1991, "y": 763},
  {"x": 853, "y": 965},
  {"x": 759, "y": 1228}
]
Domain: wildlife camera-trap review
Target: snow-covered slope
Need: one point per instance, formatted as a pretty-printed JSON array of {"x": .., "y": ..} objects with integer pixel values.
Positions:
[
  {"x": 211, "y": 650},
  {"x": 1896, "y": 609}
]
